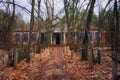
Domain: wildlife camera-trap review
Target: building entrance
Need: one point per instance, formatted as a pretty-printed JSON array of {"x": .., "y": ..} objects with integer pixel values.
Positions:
[{"x": 56, "y": 38}]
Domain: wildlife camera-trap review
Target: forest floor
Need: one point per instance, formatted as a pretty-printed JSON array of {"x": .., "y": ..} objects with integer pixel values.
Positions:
[{"x": 56, "y": 63}]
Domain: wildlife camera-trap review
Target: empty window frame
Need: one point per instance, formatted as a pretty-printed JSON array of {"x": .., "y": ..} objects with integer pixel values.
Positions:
[
  {"x": 25, "y": 37},
  {"x": 17, "y": 37}
]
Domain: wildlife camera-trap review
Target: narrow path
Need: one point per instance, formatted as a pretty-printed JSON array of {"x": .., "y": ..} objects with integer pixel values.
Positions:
[{"x": 52, "y": 69}]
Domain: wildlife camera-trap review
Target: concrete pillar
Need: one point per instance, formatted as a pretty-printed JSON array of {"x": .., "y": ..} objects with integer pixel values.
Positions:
[
  {"x": 51, "y": 38},
  {"x": 93, "y": 37},
  {"x": 75, "y": 36},
  {"x": 21, "y": 34},
  {"x": 64, "y": 38},
  {"x": 28, "y": 37},
  {"x": 54, "y": 39}
]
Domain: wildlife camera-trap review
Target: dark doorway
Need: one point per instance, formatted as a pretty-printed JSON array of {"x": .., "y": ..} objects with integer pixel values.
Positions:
[{"x": 57, "y": 38}]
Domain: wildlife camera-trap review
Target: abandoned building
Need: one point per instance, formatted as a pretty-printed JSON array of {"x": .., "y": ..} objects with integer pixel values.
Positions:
[{"x": 57, "y": 36}]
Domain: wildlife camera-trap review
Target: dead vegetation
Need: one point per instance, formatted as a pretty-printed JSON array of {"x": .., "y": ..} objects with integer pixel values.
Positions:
[{"x": 45, "y": 63}]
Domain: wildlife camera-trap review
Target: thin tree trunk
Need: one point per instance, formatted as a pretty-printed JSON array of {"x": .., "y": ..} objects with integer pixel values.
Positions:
[
  {"x": 115, "y": 45},
  {"x": 116, "y": 27},
  {"x": 12, "y": 24},
  {"x": 87, "y": 33},
  {"x": 30, "y": 32},
  {"x": 39, "y": 29},
  {"x": 67, "y": 20}
]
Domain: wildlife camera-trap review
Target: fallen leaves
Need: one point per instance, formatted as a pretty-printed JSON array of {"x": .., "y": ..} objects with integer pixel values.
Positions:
[{"x": 79, "y": 70}]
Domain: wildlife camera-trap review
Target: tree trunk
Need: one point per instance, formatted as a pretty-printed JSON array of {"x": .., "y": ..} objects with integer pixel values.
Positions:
[
  {"x": 15, "y": 56},
  {"x": 10, "y": 25},
  {"x": 114, "y": 66},
  {"x": 115, "y": 45},
  {"x": 116, "y": 26},
  {"x": 39, "y": 29},
  {"x": 30, "y": 32},
  {"x": 87, "y": 33}
]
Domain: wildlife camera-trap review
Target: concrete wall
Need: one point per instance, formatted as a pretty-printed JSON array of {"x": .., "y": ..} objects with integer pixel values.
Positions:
[{"x": 93, "y": 40}]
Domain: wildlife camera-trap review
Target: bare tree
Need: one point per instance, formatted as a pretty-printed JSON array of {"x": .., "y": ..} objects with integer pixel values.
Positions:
[
  {"x": 8, "y": 24},
  {"x": 39, "y": 28},
  {"x": 30, "y": 32},
  {"x": 115, "y": 46},
  {"x": 87, "y": 29},
  {"x": 49, "y": 8}
]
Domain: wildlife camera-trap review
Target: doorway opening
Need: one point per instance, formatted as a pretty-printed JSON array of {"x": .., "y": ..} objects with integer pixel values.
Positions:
[{"x": 57, "y": 38}]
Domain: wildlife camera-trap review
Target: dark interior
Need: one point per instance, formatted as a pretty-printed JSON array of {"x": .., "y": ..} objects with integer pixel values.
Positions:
[{"x": 57, "y": 38}]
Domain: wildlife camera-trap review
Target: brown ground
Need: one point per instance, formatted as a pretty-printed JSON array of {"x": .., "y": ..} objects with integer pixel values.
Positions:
[
  {"x": 52, "y": 69},
  {"x": 57, "y": 65}
]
